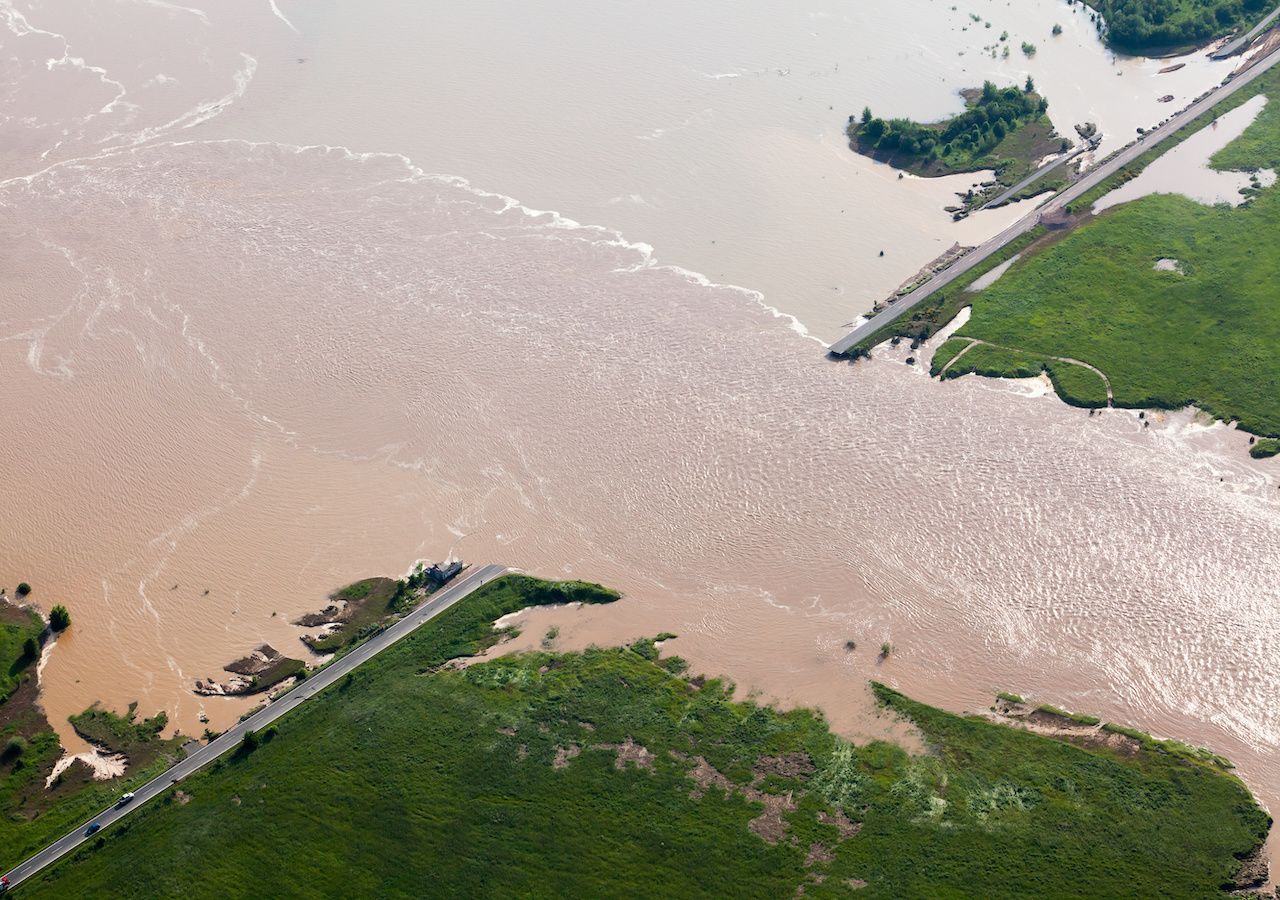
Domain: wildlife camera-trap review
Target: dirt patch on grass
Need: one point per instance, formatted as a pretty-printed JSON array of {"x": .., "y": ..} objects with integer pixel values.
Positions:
[
  {"x": 564, "y": 754},
  {"x": 846, "y": 826},
  {"x": 22, "y": 710},
  {"x": 1110, "y": 740},
  {"x": 1056, "y": 723},
  {"x": 771, "y": 824},
  {"x": 818, "y": 853},
  {"x": 628, "y": 752},
  {"x": 182, "y": 797},
  {"x": 1253, "y": 871},
  {"x": 102, "y": 766},
  {"x": 14, "y": 613},
  {"x": 704, "y": 775},
  {"x": 1052, "y": 724},
  {"x": 789, "y": 765}
]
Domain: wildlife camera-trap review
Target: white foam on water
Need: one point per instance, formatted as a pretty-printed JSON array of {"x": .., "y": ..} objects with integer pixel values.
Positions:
[
  {"x": 275, "y": 10},
  {"x": 174, "y": 7},
  {"x": 18, "y": 24}
]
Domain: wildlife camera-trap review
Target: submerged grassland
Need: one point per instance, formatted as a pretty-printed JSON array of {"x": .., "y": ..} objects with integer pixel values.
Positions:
[
  {"x": 611, "y": 773},
  {"x": 1203, "y": 332}
]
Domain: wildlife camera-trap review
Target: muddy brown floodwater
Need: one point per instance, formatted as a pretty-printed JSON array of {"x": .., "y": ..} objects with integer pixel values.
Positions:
[{"x": 239, "y": 372}]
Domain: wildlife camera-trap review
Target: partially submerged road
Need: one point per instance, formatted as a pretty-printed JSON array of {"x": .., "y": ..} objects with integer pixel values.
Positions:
[
  {"x": 1008, "y": 194},
  {"x": 1245, "y": 40},
  {"x": 1090, "y": 180},
  {"x": 436, "y": 604}
]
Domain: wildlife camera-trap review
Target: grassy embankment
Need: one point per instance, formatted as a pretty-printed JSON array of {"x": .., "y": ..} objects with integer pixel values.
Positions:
[
  {"x": 31, "y": 815},
  {"x": 367, "y": 607},
  {"x": 1075, "y": 384},
  {"x": 1002, "y": 129},
  {"x": 1265, "y": 448},
  {"x": 609, "y": 773},
  {"x": 1155, "y": 27},
  {"x": 1204, "y": 335}
]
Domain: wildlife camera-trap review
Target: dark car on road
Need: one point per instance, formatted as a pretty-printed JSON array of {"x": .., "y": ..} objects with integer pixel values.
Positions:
[{"x": 91, "y": 829}]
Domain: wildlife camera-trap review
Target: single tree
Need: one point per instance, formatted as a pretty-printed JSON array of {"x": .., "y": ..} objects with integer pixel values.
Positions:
[
  {"x": 866, "y": 115},
  {"x": 31, "y": 648},
  {"x": 250, "y": 743},
  {"x": 1030, "y": 85},
  {"x": 23, "y": 589},
  {"x": 59, "y": 618}
]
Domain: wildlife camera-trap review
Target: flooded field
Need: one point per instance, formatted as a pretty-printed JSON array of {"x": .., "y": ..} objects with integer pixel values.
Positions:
[{"x": 1185, "y": 169}]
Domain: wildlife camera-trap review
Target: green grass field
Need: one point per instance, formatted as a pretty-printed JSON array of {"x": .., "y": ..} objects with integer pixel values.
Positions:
[
  {"x": 1205, "y": 336},
  {"x": 947, "y": 352},
  {"x": 17, "y": 627},
  {"x": 609, "y": 773},
  {"x": 996, "y": 362}
]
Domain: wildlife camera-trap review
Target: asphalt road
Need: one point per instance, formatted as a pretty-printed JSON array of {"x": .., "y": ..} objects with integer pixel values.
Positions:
[
  {"x": 1029, "y": 221},
  {"x": 1035, "y": 176},
  {"x": 436, "y": 604},
  {"x": 1244, "y": 40}
]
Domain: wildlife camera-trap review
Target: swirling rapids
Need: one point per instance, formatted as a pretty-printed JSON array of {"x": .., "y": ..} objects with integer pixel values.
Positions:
[{"x": 519, "y": 387}]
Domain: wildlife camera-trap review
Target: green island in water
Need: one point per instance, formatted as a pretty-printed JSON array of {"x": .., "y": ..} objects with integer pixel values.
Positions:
[
  {"x": 613, "y": 772},
  {"x": 1005, "y": 130}
]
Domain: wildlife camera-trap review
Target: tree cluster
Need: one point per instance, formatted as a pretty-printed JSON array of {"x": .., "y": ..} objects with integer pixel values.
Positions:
[{"x": 1148, "y": 24}]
